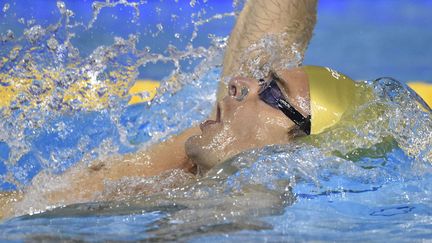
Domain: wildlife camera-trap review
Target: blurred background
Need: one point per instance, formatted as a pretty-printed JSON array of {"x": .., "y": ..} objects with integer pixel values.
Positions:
[
  {"x": 367, "y": 39},
  {"x": 363, "y": 38}
]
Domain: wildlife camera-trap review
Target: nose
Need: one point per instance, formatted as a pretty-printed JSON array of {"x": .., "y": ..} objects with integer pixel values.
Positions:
[{"x": 240, "y": 88}]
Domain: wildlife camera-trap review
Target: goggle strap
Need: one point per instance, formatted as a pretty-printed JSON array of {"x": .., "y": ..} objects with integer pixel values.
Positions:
[{"x": 303, "y": 122}]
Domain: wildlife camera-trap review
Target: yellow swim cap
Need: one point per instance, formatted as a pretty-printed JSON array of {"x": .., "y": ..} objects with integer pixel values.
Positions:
[
  {"x": 331, "y": 93},
  {"x": 424, "y": 90}
]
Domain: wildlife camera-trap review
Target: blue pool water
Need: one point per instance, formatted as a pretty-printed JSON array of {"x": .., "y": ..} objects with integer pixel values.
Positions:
[{"x": 359, "y": 182}]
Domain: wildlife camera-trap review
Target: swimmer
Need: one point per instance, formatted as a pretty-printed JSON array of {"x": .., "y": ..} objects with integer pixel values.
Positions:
[{"x": 284, "y": 103}]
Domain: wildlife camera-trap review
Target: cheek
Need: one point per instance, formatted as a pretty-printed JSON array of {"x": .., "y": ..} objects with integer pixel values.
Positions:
[
  {"x": 244, "y": 125},
  {"x": 277, "y": 122},
  {"x": 273, "y": 128}
]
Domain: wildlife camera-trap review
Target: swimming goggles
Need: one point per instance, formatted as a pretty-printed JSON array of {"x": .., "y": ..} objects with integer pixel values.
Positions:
[{"x": 271, "y": 94}]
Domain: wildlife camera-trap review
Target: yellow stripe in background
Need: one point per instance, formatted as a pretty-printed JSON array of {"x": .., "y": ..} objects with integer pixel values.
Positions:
[
  {"x": 143, "y": 91},
  {"x": 424, "y": 90}
]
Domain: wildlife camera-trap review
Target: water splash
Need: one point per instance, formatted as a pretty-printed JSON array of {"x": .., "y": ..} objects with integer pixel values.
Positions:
[
  {"x": 98, "y": 6},
  {"x": 45, "y": 75},
  {"x": 269, "y": 53}
]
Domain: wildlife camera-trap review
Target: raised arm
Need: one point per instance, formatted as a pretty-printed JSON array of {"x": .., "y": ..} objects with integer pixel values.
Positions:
[{"x": 291, "y": 20}]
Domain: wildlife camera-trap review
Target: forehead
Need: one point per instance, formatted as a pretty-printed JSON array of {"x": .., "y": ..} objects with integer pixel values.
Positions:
[
  {"x": 292, "y": 79},
  {"x": 241, "y": 78}
]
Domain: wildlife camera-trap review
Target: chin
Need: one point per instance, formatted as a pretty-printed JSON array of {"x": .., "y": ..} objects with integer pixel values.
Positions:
[
  {"x": 191, "y": 147},
  {"x": 204, "y": 159}
]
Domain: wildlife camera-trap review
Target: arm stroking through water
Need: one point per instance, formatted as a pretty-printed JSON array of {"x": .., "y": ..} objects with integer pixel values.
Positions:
[{"x": 86, "y": 182}]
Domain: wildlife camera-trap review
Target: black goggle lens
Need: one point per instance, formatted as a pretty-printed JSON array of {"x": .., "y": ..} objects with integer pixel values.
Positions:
[{"x": 271, "y": 94}]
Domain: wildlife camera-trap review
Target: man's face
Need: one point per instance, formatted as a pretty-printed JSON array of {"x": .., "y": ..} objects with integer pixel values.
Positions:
[{"x": 243, "y": 121}]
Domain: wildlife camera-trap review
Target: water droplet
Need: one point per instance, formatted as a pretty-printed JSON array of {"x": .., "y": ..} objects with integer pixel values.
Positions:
[
  {"x": 159, "y": 27},
  {"x": 6, "y": 7},
  {"x": 174, "y": 17},
  {"x": 52, "y": 44},
  {"x": 8, "y": 36},
  {"x": 61, "y": 6},
  {"x": 34, "y": 33},
  {"x": 158, "y": 10},
  {"x": 31, "y": 22}
]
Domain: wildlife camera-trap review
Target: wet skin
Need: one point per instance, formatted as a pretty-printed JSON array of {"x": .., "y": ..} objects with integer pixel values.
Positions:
[{"x": 243, "y": 121}]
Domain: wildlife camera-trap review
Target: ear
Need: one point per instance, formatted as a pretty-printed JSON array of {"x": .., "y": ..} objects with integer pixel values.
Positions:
[{"x": 296, "y": 132}]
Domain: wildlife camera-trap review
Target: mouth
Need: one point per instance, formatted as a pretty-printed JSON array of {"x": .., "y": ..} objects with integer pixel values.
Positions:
[{"x": 207, "y": 123}]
